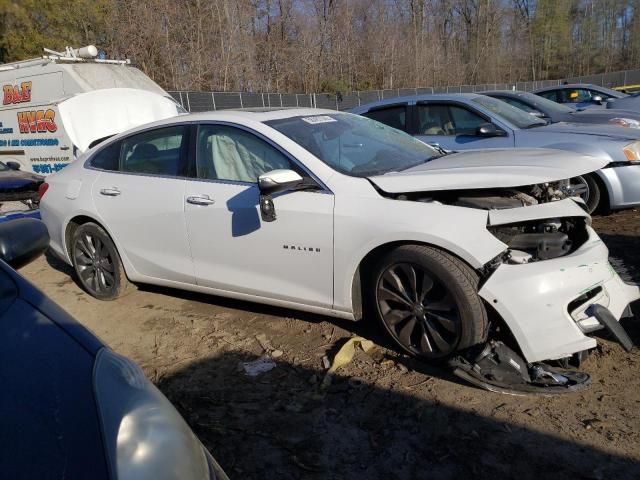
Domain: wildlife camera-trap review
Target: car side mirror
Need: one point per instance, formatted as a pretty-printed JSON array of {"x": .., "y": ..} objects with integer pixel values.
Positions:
[
  {"x": 13, "y": 165},
  {"x": 273, "y": 182},
  {"x": 22, "y": 240},
  {"x": 537, "y": 114},
  {"x": 489, "y": 130},
  {"x": 597, "y": 99}
]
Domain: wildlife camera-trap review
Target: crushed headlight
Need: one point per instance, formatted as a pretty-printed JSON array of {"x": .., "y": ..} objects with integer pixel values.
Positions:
[
  {"x": 632, "y": 152},
  {"x": 625, "y": 122},
  {"x": 145, "y": 436}
]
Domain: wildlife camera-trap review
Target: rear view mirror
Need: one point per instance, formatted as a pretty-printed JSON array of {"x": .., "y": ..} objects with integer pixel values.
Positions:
[
  {"x": 537, "y": 114},
  {"x": 273, "y": 182},
  {"x": 13, "y": 165},
  {"x": 597, "y": 99},
  {"x": 22, "y": 240},
  {"x": 489, "y": 130}
]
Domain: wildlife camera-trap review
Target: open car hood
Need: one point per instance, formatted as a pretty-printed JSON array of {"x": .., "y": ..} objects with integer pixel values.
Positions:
[
  {"x": 490, "y": 168},
  {"x": 101, "y": 113}
]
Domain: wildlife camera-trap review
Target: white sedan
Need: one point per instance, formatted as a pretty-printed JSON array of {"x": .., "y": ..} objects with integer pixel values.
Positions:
[{"x": 337, "y": 214}]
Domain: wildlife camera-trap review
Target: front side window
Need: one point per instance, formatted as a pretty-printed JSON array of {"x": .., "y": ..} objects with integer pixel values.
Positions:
[
  {"x": 395, "y": 116},
  {"x": 229, "y": 153},
  {"x": 444, "y": 119},
  {"x": 355, "y": 145},
  {"x": 155, "y": 152}
]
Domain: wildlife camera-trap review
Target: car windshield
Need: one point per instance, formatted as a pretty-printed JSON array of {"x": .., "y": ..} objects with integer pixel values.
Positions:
[
  {"x": 544, "y": 104},
  {"x": 355, "y": 145},
  {"x": 511, "y": 114}
]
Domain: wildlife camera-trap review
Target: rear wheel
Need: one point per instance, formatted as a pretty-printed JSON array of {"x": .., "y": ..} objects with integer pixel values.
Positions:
[
  {"x": 97, "y": 263},
  {"x": 427, "y": 301}
]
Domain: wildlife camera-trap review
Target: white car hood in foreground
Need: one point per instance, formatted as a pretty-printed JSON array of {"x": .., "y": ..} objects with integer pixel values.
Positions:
[
  {"x": 100, "y": 113},
  {"x": 491, "y": 168}
]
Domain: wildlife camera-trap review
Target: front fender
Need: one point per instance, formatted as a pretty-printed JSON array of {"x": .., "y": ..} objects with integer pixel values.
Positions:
[{"x": 361, "y": 228}]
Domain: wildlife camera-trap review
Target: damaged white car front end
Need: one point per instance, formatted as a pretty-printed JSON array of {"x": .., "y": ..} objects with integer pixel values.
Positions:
[{"x": 546, "y": 294}]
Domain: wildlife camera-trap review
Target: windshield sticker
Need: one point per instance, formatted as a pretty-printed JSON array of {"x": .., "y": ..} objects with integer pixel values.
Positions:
[{"x": 319, "y": 119}]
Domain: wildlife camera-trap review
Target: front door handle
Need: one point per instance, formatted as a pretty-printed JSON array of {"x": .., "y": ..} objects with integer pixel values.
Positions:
[
  {"x": 110, "y": 192},
  {"x": 200, "y": 200}
]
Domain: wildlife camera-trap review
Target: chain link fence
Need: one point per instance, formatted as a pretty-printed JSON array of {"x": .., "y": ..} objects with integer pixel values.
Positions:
[{"x": 206, "y": 101}]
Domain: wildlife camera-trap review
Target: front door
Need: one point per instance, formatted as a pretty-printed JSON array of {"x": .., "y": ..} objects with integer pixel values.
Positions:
[
  {"x": 233, "y": 249},
  {"x": 140, "y": 196}
]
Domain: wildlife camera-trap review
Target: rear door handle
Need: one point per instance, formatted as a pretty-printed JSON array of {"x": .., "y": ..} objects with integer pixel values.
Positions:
[
  {"x": 200, "y": 200},
  {"x": 110, "y": 192}
]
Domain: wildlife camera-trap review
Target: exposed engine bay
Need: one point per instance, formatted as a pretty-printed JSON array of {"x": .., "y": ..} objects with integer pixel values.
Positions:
[{"x": 495, "y": 199}]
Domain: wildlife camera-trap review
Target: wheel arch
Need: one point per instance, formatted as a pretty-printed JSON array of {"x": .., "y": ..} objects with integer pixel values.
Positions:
[
  {"x": 367, "y": 262},
  {"x": 82, "y": 218}
]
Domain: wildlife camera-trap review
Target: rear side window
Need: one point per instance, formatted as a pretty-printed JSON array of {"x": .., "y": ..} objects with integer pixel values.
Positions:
[
  {"x": 550, "y": 95},
  {"x": 155, "y": 152},
  {"x": 395, "y": 117},
  {"x": 107, "y": 158}
]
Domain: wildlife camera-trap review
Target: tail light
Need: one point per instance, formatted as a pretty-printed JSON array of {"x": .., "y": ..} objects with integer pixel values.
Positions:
[{"x": 42, "y": 189}]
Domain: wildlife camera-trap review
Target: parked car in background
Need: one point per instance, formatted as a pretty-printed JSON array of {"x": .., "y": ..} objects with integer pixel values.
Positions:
[
  {"x": 337, "y": 214},
  {"x": 18, "y": 190},
  {"x": 81, "y": 409},
  {"x": 553, "y": 112},
  {"x": 471, "y": 121},
  {"x": 584, "y": 95}
]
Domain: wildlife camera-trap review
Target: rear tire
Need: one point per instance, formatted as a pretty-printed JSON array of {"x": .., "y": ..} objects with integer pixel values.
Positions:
[
  {"x": 97, "y": 263},
  {"x": 427, "y": 300}
]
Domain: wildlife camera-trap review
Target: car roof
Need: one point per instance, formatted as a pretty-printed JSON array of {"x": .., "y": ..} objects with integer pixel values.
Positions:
[
  {"x": 416, "y": 98},
  {"x": 567, "y": 86},
  {"x": 242, "y": 115}
]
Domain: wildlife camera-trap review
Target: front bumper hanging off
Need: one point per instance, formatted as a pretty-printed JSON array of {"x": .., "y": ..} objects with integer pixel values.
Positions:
[{"x": 550, "y": 305}]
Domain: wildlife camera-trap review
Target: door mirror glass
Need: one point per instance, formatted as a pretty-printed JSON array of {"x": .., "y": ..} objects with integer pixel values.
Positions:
[
  {"x": 13, "y": 165},
  {"x": 273, "y": 182},
  {"x": 597, "y": 99},
  {"x": 489, "y": 130},
  {"x": 537, "y": 114}
]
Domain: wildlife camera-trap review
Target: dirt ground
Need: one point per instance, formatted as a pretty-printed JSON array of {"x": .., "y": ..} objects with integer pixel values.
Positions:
[{"x": 384, "y": 415}]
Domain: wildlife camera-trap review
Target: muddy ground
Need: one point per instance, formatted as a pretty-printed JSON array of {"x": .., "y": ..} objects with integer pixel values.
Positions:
[{"x": 384, "y": 415}]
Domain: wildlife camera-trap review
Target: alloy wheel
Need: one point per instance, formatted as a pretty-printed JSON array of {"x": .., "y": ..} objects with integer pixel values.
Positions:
[
  {"x": 95, "y": 264},
  {"x": 418, "y": 310}
]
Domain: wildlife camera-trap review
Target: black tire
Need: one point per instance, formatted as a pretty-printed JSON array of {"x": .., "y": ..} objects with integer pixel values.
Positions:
[
  {"x": 592, "y": 195},
  {"x": 97, "y": 262},
  {"x": 439, "y": 302}
]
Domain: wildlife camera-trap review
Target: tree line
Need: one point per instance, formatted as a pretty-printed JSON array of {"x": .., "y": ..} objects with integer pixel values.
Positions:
[{"x": 334, "y": 45}]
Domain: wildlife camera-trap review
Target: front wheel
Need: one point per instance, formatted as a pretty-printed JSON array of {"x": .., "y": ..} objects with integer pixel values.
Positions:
[
  {"x": 587, "y": 188},
  {"x": 97, "y": 263},
  {"x": 427, "y": 301}
]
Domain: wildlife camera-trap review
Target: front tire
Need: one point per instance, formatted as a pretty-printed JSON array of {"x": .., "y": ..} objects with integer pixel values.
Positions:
[
  {"x": 589, "y": 191},
  {"x": 97, "y": 262},
  {"x": 427, "y": 300}
]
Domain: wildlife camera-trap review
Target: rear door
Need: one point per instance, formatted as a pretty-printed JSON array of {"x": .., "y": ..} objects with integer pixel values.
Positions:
[
  {"x": 454, "y": 126},
  {"x": 140, "y": 197}
]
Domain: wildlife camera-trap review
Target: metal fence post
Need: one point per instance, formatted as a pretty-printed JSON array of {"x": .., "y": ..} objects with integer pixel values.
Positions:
[
  {"x": 188, "y": 103},
  {"x": 240, "y": 95},
  {"x": 213, "y": 99}
]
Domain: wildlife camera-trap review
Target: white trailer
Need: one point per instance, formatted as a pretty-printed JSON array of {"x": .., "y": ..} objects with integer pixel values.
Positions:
[{"x": 55, "y": 107}]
